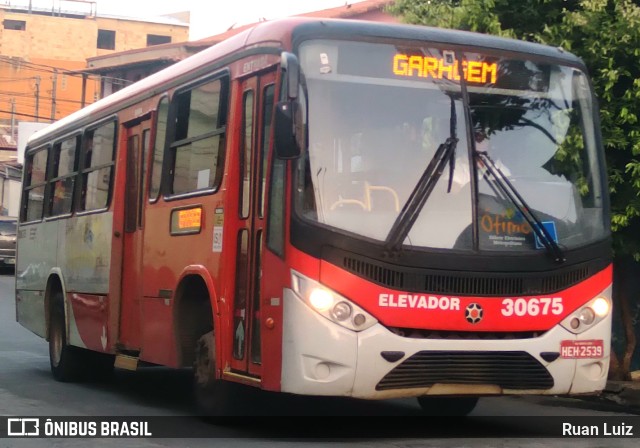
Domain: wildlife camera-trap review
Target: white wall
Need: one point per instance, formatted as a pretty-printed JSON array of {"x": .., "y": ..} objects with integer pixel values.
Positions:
[
  {"x": 25, "y": 130},
  {"x": 10, "y": 196}
]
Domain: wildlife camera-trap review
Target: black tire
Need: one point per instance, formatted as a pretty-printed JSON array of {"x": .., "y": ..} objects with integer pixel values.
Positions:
[
  {"x": 449, "y": 406},
  {"x": 210, "y": 394},
  {"x": 99, "y": 366},
  {"x": 66, "y": 361}
]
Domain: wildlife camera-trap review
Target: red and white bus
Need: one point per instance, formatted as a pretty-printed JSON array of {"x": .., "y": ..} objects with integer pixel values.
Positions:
[{"x": 328, "y": 207}]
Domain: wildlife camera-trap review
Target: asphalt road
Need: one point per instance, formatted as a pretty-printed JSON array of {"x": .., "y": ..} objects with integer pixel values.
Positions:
[{"x": 28, "y": 389}]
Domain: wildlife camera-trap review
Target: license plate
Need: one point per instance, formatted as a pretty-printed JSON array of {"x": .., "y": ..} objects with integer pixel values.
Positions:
[{"x": 592, "y": 348}]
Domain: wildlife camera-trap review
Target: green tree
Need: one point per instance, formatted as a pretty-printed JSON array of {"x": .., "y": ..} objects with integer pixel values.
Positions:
[{"x": 606, "y": 35}]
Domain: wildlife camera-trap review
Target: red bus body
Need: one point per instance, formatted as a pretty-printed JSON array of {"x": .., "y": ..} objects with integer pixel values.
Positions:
[{"x": 143, "y": 276}]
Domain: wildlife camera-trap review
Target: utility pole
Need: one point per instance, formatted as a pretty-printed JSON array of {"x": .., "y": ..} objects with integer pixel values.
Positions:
[
  {"x": 53, "y": 95},
  {"x": 13, "y": 118},
  {"x": 37, "y": 98},
  {"x": 84, "y": 90}
]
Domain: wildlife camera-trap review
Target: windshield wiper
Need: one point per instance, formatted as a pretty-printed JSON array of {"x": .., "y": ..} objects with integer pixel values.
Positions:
[
  {"x": 427, "y": 182},
  {"x": 507, "y": 188}
]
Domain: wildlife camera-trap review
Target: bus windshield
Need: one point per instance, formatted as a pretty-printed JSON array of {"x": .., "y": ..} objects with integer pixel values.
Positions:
[{"x": 377, "y": 113}]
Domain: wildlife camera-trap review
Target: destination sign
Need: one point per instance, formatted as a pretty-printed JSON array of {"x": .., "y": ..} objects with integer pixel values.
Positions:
[{"x": 439, "y": 68}]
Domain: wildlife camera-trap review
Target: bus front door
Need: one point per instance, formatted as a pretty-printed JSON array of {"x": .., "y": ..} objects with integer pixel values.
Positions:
[
  {"x": 138, "y": 140},
  {"x": 257, "y": 98}
]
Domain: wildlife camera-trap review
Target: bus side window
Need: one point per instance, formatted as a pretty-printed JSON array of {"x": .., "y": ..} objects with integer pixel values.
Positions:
[
  {"x": 198, "y": 139},
  {"x": 63, "y": 176},
  {"x": 157, "y": 158},
  {"x": 34, "y": 185},
  {"x": 97, "y": 172}
]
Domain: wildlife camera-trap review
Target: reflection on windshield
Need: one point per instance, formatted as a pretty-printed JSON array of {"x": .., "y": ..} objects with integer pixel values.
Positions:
[
  {"x": 371, "y": 136},
  {"x": 364, "y": 170},
  {"x": 544, "y": 146}
]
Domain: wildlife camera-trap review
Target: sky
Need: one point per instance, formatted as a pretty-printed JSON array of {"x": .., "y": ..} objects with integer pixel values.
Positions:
[{"x": 209, "y": 17}]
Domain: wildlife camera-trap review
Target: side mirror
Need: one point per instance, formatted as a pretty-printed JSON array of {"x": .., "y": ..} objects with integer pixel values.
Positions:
[
  {"x": 287, "y": 129},
  {"x": 289, "y": 132},
  {"x": 291, "y": 67}
]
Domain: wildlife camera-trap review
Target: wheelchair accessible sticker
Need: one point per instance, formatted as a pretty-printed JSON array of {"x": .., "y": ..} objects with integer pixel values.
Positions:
[{"x": 550, "y": 227}]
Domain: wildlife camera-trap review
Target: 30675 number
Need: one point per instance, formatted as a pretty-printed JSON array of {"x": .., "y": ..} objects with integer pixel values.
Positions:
[{"x": 534, "y": 306}]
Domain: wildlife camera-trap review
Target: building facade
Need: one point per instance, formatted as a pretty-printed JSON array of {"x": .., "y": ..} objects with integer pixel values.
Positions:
[
  {"x": 44, "y": 48},
  {"x": 120, "y": 69}
]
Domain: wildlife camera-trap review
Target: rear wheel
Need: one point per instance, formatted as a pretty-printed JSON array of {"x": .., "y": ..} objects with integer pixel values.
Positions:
[
  {"x": 65, "y": 360},
  {"x": 451, "y": 406}
]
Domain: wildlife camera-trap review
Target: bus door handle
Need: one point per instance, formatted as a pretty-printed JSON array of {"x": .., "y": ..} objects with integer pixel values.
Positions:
[{"x": 117, "y": 234}]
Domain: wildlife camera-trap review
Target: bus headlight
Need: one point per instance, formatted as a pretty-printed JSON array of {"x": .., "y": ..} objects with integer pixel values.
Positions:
[
  {"x": 587, "y": 316},
  {"x": 601, "y": 306},
  {"x": 321, "y": 299},
  {"x": 341, "y": 311},
  {"x": 330, "y": 304}
]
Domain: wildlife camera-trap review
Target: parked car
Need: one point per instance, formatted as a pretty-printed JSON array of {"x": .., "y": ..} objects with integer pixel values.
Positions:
[{"x": 8, "y": 230}]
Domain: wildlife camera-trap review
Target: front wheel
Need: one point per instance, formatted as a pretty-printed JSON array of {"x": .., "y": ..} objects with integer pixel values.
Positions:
[
  {"x": 450, "y": 406},
  {"x": 210, "y": 393}
]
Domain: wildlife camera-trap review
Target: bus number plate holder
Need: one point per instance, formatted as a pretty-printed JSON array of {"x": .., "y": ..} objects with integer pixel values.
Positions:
[{"x": 592, "y": 348}]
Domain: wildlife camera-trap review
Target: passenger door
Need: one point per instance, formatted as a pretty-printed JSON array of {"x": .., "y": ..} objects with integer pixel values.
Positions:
[
  {"x": 258, "y": 94},
  {"x": 138, "y": 135}
]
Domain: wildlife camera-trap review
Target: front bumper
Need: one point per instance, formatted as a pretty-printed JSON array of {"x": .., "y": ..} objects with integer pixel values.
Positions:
[{"x": 323, "y": 358}]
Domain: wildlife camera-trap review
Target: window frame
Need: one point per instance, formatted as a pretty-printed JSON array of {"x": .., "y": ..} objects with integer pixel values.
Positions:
[
  {"x": 245, "y": 154},
  {"x": 18, "y": 25},
  {"x": 53, "y": 162},
  {"x": 82, "y": 169},
  {"x": 151, "y": 37},
  {"x": 112, "y": 39},
  {"x": 30, "y": 153},
  {"x": 163, "y": 147},
  {"x": 172, "y": 145}
]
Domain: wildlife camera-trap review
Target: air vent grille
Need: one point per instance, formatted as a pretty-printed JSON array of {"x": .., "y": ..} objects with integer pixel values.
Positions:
[
  {"x": 464, "y": 283},
  {"x": 509, "y": 370}
]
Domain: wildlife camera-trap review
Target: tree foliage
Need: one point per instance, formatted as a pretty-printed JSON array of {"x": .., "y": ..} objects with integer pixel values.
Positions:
[{"x": 606, "y": 35}]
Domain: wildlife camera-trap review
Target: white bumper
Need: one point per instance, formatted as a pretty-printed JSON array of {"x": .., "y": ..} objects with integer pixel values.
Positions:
[{"x": 320, "y": 357}]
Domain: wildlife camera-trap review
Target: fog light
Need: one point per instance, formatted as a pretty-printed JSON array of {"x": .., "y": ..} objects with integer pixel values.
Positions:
[
  {"x": 359, "y": 319},
  {"x": 323, "y": 370},
  {"x": 575, "y": 323},
  {"x": 600, "y": 307},
  {"x": 321, "y": 299},
  {"x": 594, "y": 371},
  {"x": 342, "y": 311},
  {"x": 587, "y": 316}
]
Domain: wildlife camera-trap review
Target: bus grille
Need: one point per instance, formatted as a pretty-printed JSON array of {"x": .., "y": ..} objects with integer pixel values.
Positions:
[
  {"x": 509, "y": 370},
  {"x": 464, "y": 283},
  {"x": 417, "y": 333}
]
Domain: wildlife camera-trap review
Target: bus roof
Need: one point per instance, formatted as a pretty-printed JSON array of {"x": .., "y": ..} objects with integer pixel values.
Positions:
[
  {"x": 283, "y": 34},
  {"x": 344, "y": 27}
]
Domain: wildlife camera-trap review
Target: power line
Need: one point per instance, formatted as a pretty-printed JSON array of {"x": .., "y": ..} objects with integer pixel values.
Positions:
[
  {"x": 26, "y": 115},
  {"x": 42, "y": 68},
  {"x": 31, "y": 95}
]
